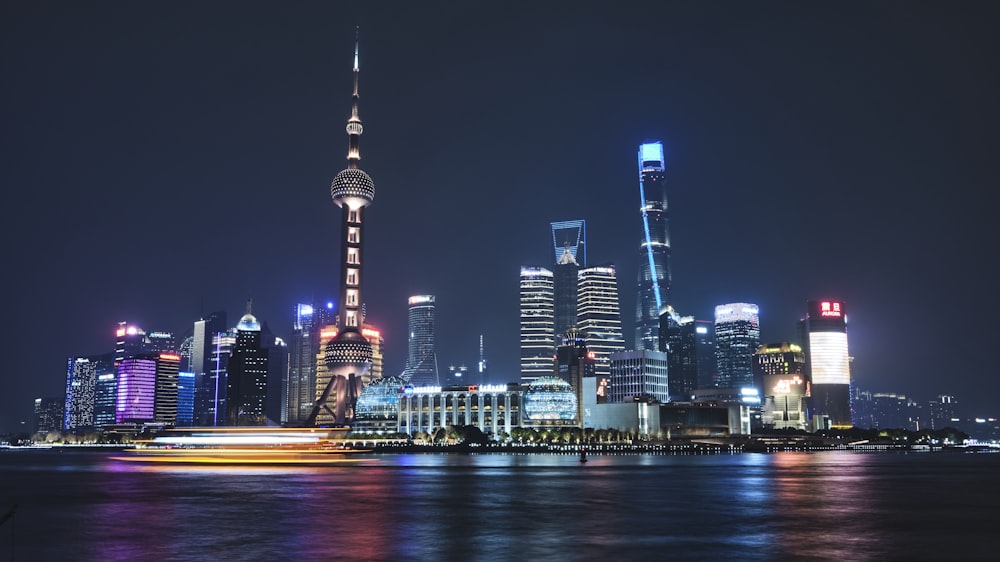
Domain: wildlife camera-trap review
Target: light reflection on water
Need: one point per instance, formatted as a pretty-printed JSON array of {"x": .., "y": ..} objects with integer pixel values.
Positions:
[{"x": 830, "y": 505}]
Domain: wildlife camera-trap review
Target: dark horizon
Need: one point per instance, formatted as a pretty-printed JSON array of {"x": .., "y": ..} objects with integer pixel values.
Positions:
[{"x": 166, "y": 161}]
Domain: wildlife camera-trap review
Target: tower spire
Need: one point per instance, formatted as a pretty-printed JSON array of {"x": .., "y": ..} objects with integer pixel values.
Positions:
[{"x": 354, "y": 127}]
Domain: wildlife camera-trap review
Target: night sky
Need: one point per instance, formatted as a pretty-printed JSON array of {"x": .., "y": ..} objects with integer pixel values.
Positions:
[{"x": 166, "y": 159}]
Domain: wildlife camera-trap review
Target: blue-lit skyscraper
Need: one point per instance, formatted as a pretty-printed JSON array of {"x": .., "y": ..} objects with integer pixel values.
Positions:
[
  {"x": 185, "y": 399},
  {"x": 654, "y": 249}
]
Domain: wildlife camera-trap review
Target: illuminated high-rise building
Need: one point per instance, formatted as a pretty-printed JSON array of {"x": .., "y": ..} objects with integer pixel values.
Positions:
[
  {"x": 304, "y": 346},
  {"x": 160, "y": 342},
  {"x": 537, "y": 323},
  {"x": 49, "y": 414},
  {"x": 165, "y": 402},
  {"x": 201, "y": 364},
  {"x": 824, "y": 337},
  {"x": 136, "y": 390},
  {"x": 277, "y": 372},
  {"x": 943, "y": 410},
  {"x": 218, "y": 376},
  {"x": 88, "y": 403},
  {"x": 349, "y": 356},
  {"x": 246, "y": 375},
  {"x": 81, "y": 380},
  {"x": 185, "y": 399},
  {"x": 779, "y": 375},
  {"x": 106, "y": 395},
  {"x": 737, "y": 336},
  {"x": 421, "y": 357},
  {"x": 599, "y": 316},
  {"x": 569, "y": 244},
  {"x": 654, "y": 249},
  {"x": 690, "y": 348},
  {"x": 130, "y": 341}
]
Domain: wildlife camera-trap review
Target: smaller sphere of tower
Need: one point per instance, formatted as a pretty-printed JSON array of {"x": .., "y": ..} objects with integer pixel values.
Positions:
[{"x": 352, "y": 183}]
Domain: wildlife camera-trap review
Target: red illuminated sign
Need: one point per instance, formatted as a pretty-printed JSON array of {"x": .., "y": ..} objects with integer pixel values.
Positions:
[
  {"x": 170, "y": 356},
  {"x": 827, "y": 308}
]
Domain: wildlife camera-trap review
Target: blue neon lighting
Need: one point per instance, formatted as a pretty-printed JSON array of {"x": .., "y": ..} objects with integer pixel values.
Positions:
[
  {"x": 647, "y": 152},
  {"x": 651, "y": 152}
]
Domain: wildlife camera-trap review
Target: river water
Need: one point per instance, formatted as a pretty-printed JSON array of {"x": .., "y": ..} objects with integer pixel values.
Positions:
[{"x": 749, "y": 506}]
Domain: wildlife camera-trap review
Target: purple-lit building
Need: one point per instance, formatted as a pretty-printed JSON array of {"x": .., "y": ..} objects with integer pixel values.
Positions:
[{"x": 136, "y": 390}]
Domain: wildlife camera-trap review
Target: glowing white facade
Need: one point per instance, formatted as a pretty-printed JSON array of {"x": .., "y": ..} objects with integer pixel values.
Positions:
[
  {"x": 828, "y": 365},
  {"x": 828, "y": 358},
  {"x": 599, "y": 315},
  {"x": 537, "y": 323}
]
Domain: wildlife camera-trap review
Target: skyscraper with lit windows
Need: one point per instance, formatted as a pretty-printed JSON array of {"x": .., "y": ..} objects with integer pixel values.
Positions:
[
  {"x": 737, "y": 337},
  {"x": 537, "y": 296},
  {"x": 824, "y": 335},
  {"x": 421, "y": 357},
  {"x": 599, "y": 315},
  {"x": 246, "y": 379},
  {"x": 654, "y": 249},
  {"x": 136, "y": 390},
  {"x": 202, "y": 351}
]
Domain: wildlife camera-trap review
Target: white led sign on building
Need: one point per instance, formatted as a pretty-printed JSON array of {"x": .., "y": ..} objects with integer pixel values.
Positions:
[{"x": 828, "y": 358}]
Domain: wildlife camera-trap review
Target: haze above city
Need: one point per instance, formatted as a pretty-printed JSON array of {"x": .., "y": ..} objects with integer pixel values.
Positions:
[{"x": 163, "y": 161}]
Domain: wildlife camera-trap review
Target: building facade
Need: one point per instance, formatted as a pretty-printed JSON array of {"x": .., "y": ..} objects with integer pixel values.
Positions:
[
  {"x": 599, "y": 315},
  {"x": 421, "y": 356},
  {"x": 737, "y": 336},
  {"x": 494, "y": 409},
  {"x": 202, "y": 351},
  {"x": 780, "y": 377},
  {"x": 639, "y": 376},
  {"x": 574, "y": 362},
  {"x": 537, "y": 295},
  {"x": 81, "y": 380},
  {"x": 690, "y": 348},
  {"x": 247, "y": 375},
  {"x": 136, "y": 390},
  {"x": 569, "y": 242},
  {"x": 653, "y": 291},
  {"x": 824, "y": 335},
  {"x": 165, "y": 402}
]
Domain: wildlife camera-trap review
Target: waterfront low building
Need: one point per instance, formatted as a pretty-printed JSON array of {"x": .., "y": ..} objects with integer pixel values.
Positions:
[{"x": 493, "y": 408}]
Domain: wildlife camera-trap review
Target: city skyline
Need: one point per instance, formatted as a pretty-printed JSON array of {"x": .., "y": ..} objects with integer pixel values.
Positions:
[{"x": 818, "y": 165}]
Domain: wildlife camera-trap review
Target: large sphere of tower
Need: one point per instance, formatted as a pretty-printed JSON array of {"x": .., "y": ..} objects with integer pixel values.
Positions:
[
  {"x": 352, "y": 187},
  {"x": 348, "y": 348}
]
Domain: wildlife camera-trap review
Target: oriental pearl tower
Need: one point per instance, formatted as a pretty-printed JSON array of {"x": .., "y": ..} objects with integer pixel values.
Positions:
[{"x": 349, "y": 355}]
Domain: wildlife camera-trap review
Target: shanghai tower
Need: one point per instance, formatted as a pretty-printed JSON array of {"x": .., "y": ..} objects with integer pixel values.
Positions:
[
  {"x": 654, "y": 249},
  {"x": 349, "y": 355}
]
